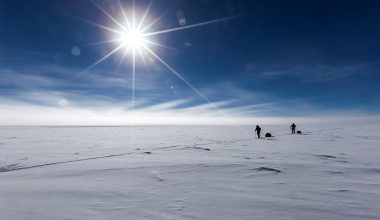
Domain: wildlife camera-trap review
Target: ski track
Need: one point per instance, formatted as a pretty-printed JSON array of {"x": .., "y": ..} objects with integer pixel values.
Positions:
[{"x": 16, "y": 167}]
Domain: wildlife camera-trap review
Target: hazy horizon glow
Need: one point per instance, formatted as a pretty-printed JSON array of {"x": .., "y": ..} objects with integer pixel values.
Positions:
[{"x": 56, "y": 111}]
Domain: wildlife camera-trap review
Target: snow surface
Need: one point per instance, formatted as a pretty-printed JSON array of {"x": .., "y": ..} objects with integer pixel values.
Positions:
[{"x": 329, "y": 172}]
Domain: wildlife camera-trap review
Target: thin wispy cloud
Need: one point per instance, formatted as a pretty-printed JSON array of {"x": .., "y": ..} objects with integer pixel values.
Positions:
[
  {"x": 317, "y": 73},
  {"x": 56, "y": 76},
  {"x": 68, "y": 108}
]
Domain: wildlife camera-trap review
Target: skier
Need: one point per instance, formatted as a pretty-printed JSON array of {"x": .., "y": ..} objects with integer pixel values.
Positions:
[
  {"x": 258, "y": 130},
  {"x": 293, "y": 127}
]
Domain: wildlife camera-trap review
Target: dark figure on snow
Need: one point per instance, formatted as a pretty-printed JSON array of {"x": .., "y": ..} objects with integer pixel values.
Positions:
[
  {"x": 258, "y": 130},
  {"x": 293, "y": 127}
]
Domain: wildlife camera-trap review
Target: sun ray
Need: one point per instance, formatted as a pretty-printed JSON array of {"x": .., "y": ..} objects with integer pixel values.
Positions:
[
  {"x": 122, "y": 59},
  {"x": 109, "y": 16},
  {"x": 144, "y": 62},
  {"x": 189, "y": 26},
  {"x": 144, "y": 15},
  {"x": 204, "y": 97},
  {"x": 155, "y": 21},
  {"x": 103, "y": 58},
  {"x": 124, "y": 15},
  {"x": 160, "y": 45},
  {"x": 133, "y": 15},
  {"x": 101, "y": 42},
  {"x": 133, "y": 77},
  {"x": 101, "y": 26},
  {"x": 178, "y": 75}
]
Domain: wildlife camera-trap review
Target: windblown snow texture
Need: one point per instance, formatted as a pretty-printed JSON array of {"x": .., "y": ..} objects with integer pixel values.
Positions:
[{"x": 333, "y": 172}]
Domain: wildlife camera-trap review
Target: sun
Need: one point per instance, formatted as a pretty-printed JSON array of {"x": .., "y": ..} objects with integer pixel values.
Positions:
[
  {"x": 133, "y": 39},
  {"x": 133, "y": 34}
]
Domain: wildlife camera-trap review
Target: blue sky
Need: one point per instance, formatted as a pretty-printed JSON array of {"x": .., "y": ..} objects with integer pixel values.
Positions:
[{"x": 272, "y": 59}]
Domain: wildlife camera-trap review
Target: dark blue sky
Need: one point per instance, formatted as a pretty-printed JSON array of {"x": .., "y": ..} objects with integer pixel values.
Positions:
[{"x": 319, "y": 56}]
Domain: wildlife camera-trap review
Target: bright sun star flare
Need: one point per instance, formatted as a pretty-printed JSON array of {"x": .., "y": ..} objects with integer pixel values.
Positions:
[
  {"x": 133, "y": 39},
  {"x": 132, "y": 34}
]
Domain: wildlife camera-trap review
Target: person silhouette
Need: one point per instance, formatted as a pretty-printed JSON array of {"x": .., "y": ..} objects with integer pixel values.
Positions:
[
  {"x": 258, "y": 130},
  {"x": 293, "y": 127}
]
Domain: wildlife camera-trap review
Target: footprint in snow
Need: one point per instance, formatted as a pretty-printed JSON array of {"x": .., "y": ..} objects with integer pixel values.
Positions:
[
  {"x": 265, "y": 170},
  {"x": 342, "y": 190},
  {"x": 325, "y": 156},
  {"x": 201, "y": 148},
  {"x": 333, "y": 172},
  {"x": 268, "y": 169},
  {"x": 156, "y": 175}
]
